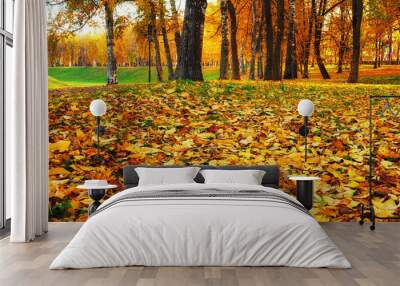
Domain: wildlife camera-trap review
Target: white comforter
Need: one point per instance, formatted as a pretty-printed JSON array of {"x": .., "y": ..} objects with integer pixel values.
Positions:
[{"x": 192, "y": 231}]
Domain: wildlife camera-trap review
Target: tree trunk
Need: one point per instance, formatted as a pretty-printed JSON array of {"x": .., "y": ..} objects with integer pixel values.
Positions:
[
  {"x": 319, "y": 22},
  {"x": 111, "y": 61},
  {"x": 269, "y": 40},
  {"x": 357, "y": 6},
  {"x": 398, "y": 53},
  {"x": 253, "y": 40},
  {"x": 308, "y": 40},
  {"x": 342, "y": 41},
  {"x": 277, "y": 60},
  {"x": 260, "y": 60},
  {"x": 290, "y": 66},
  {"x": 390, "y": 40},
  {"x": 224, "y": 62},
  {"x": 155, "y": 40},
  {"x": 177, "y": 34},
  {"x": 242, "y": 63},
  {"x": 379, "y": 52},
  {"x": 376, "y": 52},
  {"x": 165, "y": 41},
  {"x": 233, "y": 41},
  {"x": 295, "y": 61},
  {"x": 189, "y": 66}
]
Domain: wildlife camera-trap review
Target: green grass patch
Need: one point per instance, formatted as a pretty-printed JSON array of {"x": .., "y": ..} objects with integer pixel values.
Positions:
[
  {"x": 381, "y": 80},
  {"x": 61, "y": 77}
]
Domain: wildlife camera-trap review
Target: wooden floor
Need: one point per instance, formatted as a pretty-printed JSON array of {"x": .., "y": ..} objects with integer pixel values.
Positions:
[{"x": 375, "y": 257}]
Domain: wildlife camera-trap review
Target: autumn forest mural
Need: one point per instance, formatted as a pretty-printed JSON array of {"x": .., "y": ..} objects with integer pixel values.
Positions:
[{"x": 225, "y": 80}]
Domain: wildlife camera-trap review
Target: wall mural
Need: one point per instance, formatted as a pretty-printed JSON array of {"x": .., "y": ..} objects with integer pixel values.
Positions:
[
  {"x": 225, "y": 124},
  {"x": 230, "y": 104}
]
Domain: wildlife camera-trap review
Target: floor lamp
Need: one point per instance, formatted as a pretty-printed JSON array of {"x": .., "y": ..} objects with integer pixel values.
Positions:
[
  {"x": 305, "y": 109},
  {"x": 98, "y": 108}
]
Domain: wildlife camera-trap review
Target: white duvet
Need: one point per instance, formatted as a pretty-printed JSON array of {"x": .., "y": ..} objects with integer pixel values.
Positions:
[{"x": 202, "y": 232}]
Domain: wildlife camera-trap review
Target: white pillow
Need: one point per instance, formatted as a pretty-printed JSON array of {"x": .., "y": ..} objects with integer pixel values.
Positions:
[
  {"x": 166, "y": 176},
  {"x": 248, "y": 177}
]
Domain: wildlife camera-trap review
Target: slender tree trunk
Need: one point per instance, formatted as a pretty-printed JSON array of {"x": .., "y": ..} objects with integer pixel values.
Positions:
[
  {"x": 295, "y": 61},
  {"x": 308, "y": 39},
  {"x": 260, "y": 52},
  {"x": 357, "y": 6},
  {"x": 158, "y": 55},
  {"x": 165, "y": 41},
  {"x": 390, "y": 40},
  {"x": 242, "y": 63},
  {"x": 253, "y": 39},
  {"x": 224, "y": 62},
  {"x": 177, "y": 33},
  {"x": 269, "y": 40},
  {"x": 277, "y": 60},
  {"x": 398, "y": 53},
  {"x": 155, "y": 41},
  {"x": 290, "y": 63},
  {"x": 379, "y": 53},
  {"x": 376, "y": 51},
  {"x": 342, "y": 41},
  {"x": 111, "y": 61},
  {"x": 319, "y": 22},
  {"x": 235, "y": 66},
  {"x": 189, "y": 66}
]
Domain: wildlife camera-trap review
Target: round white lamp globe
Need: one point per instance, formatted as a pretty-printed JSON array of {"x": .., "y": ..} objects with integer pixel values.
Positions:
[
  {"x": 98, "y": 107},
  {"x": 305, "y": 107}
]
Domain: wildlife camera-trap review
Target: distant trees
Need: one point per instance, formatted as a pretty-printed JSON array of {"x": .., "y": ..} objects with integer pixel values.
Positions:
[
  {"x": 76, "y": 14},
  {"x": 273, "y": 37}
]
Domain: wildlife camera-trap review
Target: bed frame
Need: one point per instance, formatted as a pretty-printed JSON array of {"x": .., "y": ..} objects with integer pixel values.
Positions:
[{"x": 270, "y": 179}]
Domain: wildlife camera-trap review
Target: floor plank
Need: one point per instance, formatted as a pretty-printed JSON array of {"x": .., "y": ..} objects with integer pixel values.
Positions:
[{"x": 375, "y": 257}]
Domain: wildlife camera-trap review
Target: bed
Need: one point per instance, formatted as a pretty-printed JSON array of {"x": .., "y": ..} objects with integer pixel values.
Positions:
[{"x": 197, "y": 224}]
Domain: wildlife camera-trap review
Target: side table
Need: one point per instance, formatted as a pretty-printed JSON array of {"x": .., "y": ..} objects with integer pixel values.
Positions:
[
  {"x": 96, "y": 193},
  {"x": 305, "y": 189}
]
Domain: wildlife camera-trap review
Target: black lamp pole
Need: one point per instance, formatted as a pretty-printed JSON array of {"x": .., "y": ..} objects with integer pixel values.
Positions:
[
  {"x": 305, "y": 138},
  {"x": 98, "y": 135},
  {"x": 99, "y": 132},
  {"x": 303, "y": 131}
]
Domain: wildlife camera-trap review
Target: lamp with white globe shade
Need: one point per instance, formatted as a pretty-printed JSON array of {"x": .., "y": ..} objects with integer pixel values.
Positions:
[
  {"x": 98, "y": 108},
  {"x": 305, "y": 109}
]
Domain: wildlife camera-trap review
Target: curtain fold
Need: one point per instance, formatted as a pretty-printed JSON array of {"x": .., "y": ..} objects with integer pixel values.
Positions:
[{"x": 27, "y": 123}]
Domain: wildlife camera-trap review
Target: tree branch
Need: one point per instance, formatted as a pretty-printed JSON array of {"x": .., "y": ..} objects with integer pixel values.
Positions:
[{"x": 333, "y": 7}]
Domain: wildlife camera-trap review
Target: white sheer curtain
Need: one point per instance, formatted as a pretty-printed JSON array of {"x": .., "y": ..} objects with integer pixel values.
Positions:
[{"x": 27, "y": 123}]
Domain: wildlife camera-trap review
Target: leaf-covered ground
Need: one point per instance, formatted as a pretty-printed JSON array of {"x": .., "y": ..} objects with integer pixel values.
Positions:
[{"x": 221, "y": 123}]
